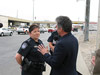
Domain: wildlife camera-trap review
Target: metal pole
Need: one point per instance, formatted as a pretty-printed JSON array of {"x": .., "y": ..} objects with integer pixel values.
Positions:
[
  {"x": 98, "y": 31},
  {"x": 86, "y": 31},
  {"x": 17, "y": 14},
  {"x": 33, "y": 10}
]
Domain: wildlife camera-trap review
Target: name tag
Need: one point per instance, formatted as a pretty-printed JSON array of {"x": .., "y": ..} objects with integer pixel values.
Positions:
[{"x": 35, "y": 46}]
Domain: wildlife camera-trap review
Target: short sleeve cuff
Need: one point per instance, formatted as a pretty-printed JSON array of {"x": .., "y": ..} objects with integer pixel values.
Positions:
[{"x": 20, "y": 53}]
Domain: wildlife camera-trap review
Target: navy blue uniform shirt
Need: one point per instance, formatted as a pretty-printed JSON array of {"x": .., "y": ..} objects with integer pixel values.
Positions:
[
  {"x": 29, "y": 49},
  {"x": 63, "y": 60}
]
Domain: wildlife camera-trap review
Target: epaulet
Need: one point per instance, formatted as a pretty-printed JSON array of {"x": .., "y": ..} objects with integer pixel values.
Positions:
[
  {"x": 28, "y": 40},
  {"x": 39, "y": 39}
]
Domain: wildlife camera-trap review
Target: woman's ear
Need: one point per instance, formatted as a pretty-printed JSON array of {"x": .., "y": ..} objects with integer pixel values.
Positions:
[{"x": 29, "y": 34}]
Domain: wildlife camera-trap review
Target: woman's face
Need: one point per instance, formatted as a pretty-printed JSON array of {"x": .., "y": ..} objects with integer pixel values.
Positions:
[{"x": 35, "y": 34}]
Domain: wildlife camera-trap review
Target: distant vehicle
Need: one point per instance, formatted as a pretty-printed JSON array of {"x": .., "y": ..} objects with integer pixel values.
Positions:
[
  {"x": 93, "y": 28},
  {"x": 45, "y": 29},
  {"x": 50, "y": 30},
  {"x": 75, "y": 29},
  {"x": 21, "y": 29},
  {"x": 5, "y": 31},
  {"x": 42, "y": 30}
]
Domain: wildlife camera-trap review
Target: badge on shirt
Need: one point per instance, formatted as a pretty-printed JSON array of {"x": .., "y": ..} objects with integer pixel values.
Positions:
[
  {"x": 24, "y": 45},
  {"x": 35, "y": 46}
]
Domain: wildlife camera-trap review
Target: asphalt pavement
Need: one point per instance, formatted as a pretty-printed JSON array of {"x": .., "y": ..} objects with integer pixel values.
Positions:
[{"x": 9, "y": 45}]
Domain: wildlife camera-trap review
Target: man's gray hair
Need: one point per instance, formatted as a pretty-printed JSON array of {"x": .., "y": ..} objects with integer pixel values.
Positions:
[{"x": 65, "y": 23}]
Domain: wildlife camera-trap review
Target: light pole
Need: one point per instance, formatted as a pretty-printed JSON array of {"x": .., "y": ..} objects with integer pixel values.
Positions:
[
  {"x": 87, "y": 14},
  {"x": 33, "y": 10},
  {"x": 17, "y": 14},
  {"x": 86, "y": 31},
  {"x": 98, "y": 31}
]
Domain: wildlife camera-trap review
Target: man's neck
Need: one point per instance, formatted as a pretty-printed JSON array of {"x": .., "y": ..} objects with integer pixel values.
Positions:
[{"x": 63, "y": 33}]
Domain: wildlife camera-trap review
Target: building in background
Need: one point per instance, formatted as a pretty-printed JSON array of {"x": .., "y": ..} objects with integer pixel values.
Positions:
[{"x": 4, "y": 21}]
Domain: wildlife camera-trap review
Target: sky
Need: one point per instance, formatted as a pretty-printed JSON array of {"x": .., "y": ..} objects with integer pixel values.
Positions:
[{"x": 48, "y": 10}]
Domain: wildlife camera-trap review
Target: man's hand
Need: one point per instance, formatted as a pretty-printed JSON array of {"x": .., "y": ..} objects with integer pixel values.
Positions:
[
  {"x": 52, "y": 48},
  {"x": 42, "y": 49},
  {"x": 93, "y": 60}
]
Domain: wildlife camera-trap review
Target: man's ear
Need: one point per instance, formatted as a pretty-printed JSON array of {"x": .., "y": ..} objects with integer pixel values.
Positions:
[{"x": 61, "y": 29}]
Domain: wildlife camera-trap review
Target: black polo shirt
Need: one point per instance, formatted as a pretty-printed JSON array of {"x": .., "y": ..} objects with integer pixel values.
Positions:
[{"x": 54, "y": 37}]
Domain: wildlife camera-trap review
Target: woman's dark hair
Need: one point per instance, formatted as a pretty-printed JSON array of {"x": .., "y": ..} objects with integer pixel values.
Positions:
[
  {"x": 65, "y": 23},
  {"x": 32, "y": 27}
]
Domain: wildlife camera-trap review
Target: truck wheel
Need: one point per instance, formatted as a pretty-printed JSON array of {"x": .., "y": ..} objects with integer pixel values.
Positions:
[
  {"x": 2, "y": 34},
  {"x": 11, "y": 34},
  {"x": 18, "y": 32},
  {"x": 25, "y": 32}
]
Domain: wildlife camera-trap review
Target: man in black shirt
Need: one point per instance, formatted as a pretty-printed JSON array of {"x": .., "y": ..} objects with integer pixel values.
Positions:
[{"x": 53, "y": 39}]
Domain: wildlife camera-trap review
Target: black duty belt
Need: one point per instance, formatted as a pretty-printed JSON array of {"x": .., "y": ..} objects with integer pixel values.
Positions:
[{"x": 37, "y": 63}]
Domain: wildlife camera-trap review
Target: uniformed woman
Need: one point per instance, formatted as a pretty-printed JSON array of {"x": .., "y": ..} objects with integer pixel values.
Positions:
[{"x": 33, "y": 62}]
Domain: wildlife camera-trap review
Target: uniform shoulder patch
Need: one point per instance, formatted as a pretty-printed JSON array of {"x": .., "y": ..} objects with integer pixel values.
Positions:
[{"x": 24, "y": 45}]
